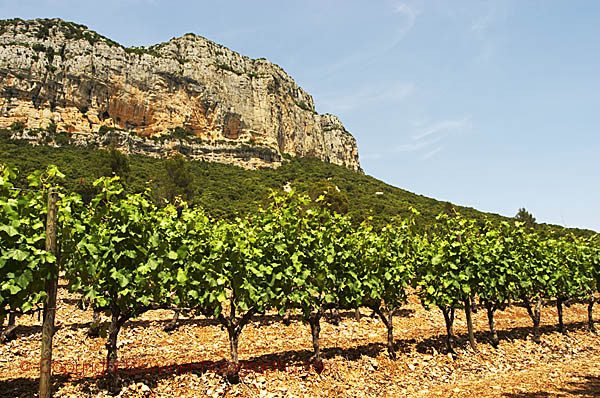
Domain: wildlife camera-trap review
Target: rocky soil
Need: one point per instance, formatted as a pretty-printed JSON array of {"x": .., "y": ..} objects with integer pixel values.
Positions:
[{"x": 186, "y": 362}]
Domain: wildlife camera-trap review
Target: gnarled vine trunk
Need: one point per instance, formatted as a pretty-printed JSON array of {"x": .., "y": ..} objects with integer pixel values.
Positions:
[
  {"x": 234, "y": 328},
  {"x": 172, "y": 325},
  {"x": 287, "y": 318},
  {"x": 335, "y": 316},
  {"x": 315, "y": 329},
  {"x": 449, "y": 320},
  {"x": 387, "y": 317},
  {"x": 468, "y": 314},
  {"x": 491, "y": 308},
  {"x": 233, "y": 368},
  {"x": 559, "y": 309},
  {"x": 390, "y": 334},
  {"x": 9, "y": 332},
  {"x": 94, "y": 329},
  {"x": 112, "y": 362},
  {"x": 535, "y": 315},
  {"x": 591, "y": 314}
]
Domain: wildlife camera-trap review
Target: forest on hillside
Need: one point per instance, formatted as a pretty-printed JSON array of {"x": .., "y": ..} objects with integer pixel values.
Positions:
[{"x": 225, "y": 191}]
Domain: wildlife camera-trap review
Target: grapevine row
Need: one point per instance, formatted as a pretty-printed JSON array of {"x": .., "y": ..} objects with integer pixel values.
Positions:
[{"x": 125, "y": 255}]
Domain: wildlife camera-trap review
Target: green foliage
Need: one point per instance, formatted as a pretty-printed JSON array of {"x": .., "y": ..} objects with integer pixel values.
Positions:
[
  {"x": 525, "y": 217},
  {"x": 308, "y": 247},
  {"x": 103, "y": 130},
  {"x": 51, "y": 128},
  {"x": 188, "y": 233},
  {"x": 228, "y": 68},
  {"x": 38, "y": 47},
  {"x": 534, "y": 271},
  {"x": 19, "y": 43},
  {"x": 337, "y": 128},
  {"x": 17, "y": 127},
  {"x": 124, "y": 255},
  {"x": 142, "y": 50},
  {"x": 226, "y": 191},
  {"x": 24, "y": 263},
  {"x": 283, "y": 235},
  {"x": 119, "y": 251},
  {"x": 386, "y": 264},
  {"x": 571, "y": 268},
  {"x": 176, "y": 181},
  {"x": 7, "y": 24},
  {"x": 447, "y": 267},
  {"x": 497, "y": 259},
  {"x": 332, "y": 197},
  {"x": 181, "y": 133},
  {"x": 118, "y": 165},
  {"x": 303, "y": 105},
  {"x": 61, "y": 138}
]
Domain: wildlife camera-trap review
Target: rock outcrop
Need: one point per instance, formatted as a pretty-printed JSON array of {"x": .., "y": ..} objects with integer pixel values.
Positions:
[{"x": 187, "y": 95}]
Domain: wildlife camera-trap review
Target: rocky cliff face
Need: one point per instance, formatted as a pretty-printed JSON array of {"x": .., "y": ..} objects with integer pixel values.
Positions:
[{"x": 188, "y": 95}]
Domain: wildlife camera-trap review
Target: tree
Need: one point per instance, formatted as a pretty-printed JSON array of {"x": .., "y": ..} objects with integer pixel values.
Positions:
[
  {"x": 449, "y": 209},
  {"x": 117, "y": 164},
  {"x": 525, "y": 217},
  {"x": 176, "y": 180},
  {"x": 333, "y": 198}
]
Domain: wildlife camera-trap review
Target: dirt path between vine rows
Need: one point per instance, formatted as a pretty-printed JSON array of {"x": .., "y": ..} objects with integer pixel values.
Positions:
[{"x": 186, "y": 362}]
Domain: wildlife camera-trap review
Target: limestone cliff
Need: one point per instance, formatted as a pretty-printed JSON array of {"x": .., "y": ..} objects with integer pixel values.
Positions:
[{"x": 187, "y": 95}]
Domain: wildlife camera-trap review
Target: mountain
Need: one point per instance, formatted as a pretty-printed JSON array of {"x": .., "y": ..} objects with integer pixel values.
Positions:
[
  {"x": 243, "y": 124},
  {"x": 62, "y": 83}
]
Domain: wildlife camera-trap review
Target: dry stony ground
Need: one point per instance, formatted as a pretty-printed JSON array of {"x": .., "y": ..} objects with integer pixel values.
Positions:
[{"x": 356, "y": 364}]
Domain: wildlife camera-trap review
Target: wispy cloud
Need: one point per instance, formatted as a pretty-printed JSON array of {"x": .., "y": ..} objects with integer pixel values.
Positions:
[
  {"x": 390, "y": 93},
  {"x": 409, "y": 11},
  {"x": 442, "y": 127},
  {"x": 407, "y": 18},
  {"x": 429, "y": 135},
  {"x": 481, "y": 24},
  {"x": 417, "y": 145},
  {"x": 432, "y": 153},
  {"x": 485, "y": 32}
]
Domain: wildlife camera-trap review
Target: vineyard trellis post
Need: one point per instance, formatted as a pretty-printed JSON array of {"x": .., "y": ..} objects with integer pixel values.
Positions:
[{"x": 50, "y": 303}]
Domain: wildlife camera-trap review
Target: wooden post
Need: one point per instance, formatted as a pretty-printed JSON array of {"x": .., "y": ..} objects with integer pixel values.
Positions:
[{"x": 50, "y": 304}]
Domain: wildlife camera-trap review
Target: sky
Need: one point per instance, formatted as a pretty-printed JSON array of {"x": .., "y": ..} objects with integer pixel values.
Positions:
[{"x": 488, "y": 104}]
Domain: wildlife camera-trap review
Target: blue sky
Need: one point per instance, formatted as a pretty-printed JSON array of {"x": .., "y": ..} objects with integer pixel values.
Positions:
[{"x": 489, "y": 104}]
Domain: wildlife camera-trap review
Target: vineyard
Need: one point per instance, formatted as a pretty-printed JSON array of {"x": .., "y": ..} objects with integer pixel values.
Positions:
[{"x": 122, "y": 255}]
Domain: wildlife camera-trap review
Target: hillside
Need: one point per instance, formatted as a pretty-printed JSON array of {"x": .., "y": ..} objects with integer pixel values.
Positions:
[
  {"x": 226, "y": 190},
  {"x": 65, "y": 83},
  {"x": 244, "y": 126}
]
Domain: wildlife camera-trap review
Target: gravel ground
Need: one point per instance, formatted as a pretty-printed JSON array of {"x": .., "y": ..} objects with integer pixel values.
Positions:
[{"x": 186, "y": 362}]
